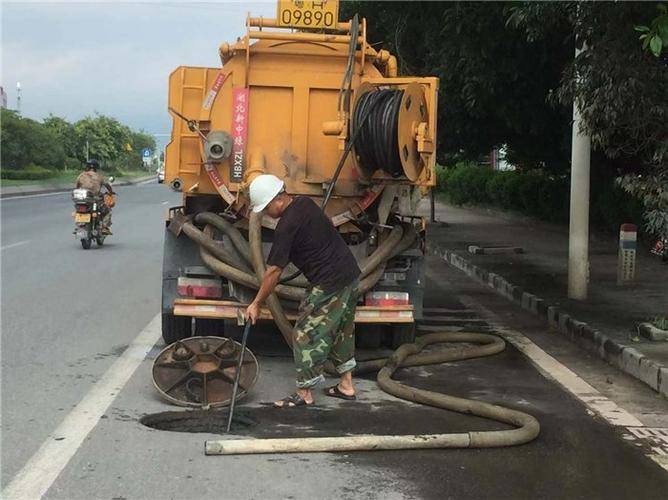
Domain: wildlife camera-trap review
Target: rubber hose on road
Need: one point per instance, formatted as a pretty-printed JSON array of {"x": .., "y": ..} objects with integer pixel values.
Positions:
[{"x": 527, "y": 427}]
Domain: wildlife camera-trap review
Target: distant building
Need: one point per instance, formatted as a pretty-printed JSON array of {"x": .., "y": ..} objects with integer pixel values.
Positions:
[{"x": 3, "y": 98}]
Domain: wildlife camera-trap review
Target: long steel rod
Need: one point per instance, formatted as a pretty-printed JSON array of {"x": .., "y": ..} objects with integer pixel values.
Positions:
[{"x": 238, "y": 374}]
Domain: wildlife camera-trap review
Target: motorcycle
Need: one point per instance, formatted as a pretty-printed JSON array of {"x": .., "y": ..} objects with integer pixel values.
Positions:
[{"x": 88, "y": 215}]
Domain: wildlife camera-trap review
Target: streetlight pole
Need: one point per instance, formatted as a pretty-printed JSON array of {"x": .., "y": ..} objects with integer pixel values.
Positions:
[
  {"x": 578, "y": 241},
  {"x": 18, "y": 98}
]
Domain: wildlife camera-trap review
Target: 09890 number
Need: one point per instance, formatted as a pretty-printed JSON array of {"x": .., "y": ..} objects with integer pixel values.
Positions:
[{"x": 307, "y": 18}]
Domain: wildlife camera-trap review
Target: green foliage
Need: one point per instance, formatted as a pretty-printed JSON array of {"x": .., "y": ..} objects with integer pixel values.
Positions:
[
  {"x": 620, "y": 89},
  {"x": 466, "y": 183},
  {"x": 73, "y": 164},
  {"x": 64, "y": 131},
  {"x": 58, "y": 144},
  {"x": 652, "y": 191},
  {"x": 106, "y": 137},
  {"x": 24, "y": 141},
  {"x": 493, "y": 84},
  {"x": 536, "y": 193},
  {"x": 30, "y": 172},
  {"x": 655, "y": 36}
]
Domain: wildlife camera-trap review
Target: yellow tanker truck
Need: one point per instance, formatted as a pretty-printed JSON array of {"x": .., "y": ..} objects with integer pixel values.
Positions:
[{"x": 307, "y": 98}]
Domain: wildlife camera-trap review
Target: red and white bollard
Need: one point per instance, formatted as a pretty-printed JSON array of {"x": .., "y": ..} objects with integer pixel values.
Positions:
[{"x": 626, "y": 260}]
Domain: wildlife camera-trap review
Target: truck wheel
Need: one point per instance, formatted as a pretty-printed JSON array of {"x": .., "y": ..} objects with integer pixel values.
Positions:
[
  {"x": 369, "y": 336},
  {"x": 175, "y": 327},
  {"x": 86, "y": 243},
  {"x": 209, "y": 328},
  {"x": 402, "y": 333}
]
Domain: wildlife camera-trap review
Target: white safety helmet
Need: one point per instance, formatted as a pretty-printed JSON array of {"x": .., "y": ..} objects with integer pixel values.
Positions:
[{"x": 263, "y": 189}]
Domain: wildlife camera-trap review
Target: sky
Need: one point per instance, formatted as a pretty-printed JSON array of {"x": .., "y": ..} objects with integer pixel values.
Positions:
[{"x": 77, "y": 58}]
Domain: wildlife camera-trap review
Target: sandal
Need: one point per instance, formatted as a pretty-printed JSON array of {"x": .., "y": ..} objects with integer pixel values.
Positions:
[
  {"x": 335, "y": 392},
  {"x": 292, "y": 401}
]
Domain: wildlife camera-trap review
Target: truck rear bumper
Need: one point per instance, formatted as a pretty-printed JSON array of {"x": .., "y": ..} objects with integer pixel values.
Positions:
[{"x": 222, "y": 309}]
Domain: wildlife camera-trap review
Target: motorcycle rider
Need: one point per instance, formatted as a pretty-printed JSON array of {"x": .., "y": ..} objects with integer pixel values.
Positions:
[{"x": 91, "y": 180}]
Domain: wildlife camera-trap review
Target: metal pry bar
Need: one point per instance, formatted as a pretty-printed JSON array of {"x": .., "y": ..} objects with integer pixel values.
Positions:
[{"x": 238, "y": 374}]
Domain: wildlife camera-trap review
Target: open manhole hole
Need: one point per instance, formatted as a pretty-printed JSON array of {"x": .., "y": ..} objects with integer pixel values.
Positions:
[{"x": 208, "y": 421}]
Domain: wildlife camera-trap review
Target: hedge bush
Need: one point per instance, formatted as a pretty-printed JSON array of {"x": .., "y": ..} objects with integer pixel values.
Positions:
[
  {"x": 537, "y": 194},
  {"x": 30, "y": 173}
]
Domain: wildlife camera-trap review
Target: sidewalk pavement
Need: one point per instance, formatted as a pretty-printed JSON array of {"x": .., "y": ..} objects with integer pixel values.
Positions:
[
  {"x": 29, "y": 189},
  {"x": 538, "y": 281}
]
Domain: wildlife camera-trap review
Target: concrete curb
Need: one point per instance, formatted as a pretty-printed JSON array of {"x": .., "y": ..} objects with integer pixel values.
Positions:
[
  {"x": 14, "y": 191},
  {"x": 621, "y": 356}
]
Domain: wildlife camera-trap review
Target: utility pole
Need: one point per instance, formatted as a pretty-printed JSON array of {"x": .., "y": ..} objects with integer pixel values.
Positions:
[
  {"x": 578, "y": 241},
  {"x": 18, "y": 98}
]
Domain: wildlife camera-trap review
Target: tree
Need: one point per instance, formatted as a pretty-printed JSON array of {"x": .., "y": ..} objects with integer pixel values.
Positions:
[
  {"x": 620, "y": 88},
  {"x": 25, "y": 141},
  {"x": 494, "y": 84},
  {"x": 107, "y": 138},
  {"x": 64, "y": 130}
]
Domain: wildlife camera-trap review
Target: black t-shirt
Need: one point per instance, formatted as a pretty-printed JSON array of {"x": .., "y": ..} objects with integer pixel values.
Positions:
[{"x": 306, "y": 237}]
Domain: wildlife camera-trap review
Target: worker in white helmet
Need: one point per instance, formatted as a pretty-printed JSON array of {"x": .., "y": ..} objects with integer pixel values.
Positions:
[{"x": 325, "y": 329}]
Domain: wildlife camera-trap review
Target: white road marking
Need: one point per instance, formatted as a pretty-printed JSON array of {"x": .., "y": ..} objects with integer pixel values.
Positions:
[
  {"x": 44, "y": 467},
  {"x": 165, "y": 202},
  {"x": 12, "y": 245},
  {"x": 593, "y": 400},
  {"x": 553, "y": 369}
]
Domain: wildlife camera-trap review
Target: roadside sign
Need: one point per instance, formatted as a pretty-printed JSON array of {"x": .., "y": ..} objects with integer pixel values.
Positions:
[
  {"x": 308, "y": 14},
  {"x": 146, "y": 153}
]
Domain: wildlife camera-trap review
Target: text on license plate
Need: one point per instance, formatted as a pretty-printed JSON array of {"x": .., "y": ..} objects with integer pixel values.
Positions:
[{"x": 81, "y": 217}]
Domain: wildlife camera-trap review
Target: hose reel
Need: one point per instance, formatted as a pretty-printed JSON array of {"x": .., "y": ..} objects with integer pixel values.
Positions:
[{"x": 389, "y": 138}]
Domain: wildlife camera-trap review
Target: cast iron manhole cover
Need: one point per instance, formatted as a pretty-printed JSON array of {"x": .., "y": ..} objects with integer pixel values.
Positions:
[{"x": 200, "y": 371}]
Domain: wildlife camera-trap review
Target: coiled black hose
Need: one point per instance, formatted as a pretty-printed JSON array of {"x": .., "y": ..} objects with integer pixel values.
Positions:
[{"x": 377, "y": 145}]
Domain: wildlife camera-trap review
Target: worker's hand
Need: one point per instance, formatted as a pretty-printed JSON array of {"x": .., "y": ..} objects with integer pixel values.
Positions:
[{"x": 253, "y": 312}]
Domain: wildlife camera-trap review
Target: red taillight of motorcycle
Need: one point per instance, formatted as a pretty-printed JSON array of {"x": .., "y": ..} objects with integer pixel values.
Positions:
[{"x": 82, "y": 209}]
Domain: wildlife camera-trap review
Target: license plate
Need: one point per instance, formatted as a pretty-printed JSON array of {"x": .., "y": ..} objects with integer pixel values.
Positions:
[
  {"x": 81, "y": 217},
  {"x": 305, "y": 14}
]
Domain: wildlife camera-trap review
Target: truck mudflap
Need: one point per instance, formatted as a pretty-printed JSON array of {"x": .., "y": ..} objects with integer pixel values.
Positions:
[{"x": 221, "y": 309}]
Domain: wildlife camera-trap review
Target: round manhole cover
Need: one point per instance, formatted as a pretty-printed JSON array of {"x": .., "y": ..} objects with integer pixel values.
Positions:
[{"x": 200, "y": 371}]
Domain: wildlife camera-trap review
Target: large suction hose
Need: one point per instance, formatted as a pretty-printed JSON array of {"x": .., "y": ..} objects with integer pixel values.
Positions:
[{"x": 526, "y": 428}]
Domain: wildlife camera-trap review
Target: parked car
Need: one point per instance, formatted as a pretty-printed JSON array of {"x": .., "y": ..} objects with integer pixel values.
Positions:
[{"x": 161, "y": 174}]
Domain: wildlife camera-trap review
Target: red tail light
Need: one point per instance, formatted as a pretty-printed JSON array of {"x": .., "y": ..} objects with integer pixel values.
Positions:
[{"x": 82, "y": 209}]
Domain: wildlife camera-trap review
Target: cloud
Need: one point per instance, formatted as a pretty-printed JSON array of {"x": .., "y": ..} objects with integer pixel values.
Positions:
[{"x": 73, "y": 59}]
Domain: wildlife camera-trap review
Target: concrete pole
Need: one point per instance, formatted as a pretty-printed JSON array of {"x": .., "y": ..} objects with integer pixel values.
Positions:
[{"x": 578, "y": 242}]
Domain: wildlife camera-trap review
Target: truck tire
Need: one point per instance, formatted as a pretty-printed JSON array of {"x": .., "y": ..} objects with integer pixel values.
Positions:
[
  {"x": 175, "y": 327},
  {"x": 209, "y": 327},
  {"x": 369, "y": 336},
  {"x": 402, "y": 333}
]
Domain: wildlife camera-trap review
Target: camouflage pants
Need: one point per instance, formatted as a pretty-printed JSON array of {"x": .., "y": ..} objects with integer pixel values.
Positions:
[{"x": 325, "y": 330}]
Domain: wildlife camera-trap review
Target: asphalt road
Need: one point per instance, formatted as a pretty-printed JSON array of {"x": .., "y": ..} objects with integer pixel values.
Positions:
[{"x": 68, "y": 316}]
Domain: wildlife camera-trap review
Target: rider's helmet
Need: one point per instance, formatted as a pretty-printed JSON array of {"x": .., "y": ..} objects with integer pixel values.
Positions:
[{"x": 92, "y": 165}]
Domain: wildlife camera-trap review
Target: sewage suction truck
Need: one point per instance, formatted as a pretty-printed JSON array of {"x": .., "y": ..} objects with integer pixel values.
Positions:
[{"x": 305, "y": 97}]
